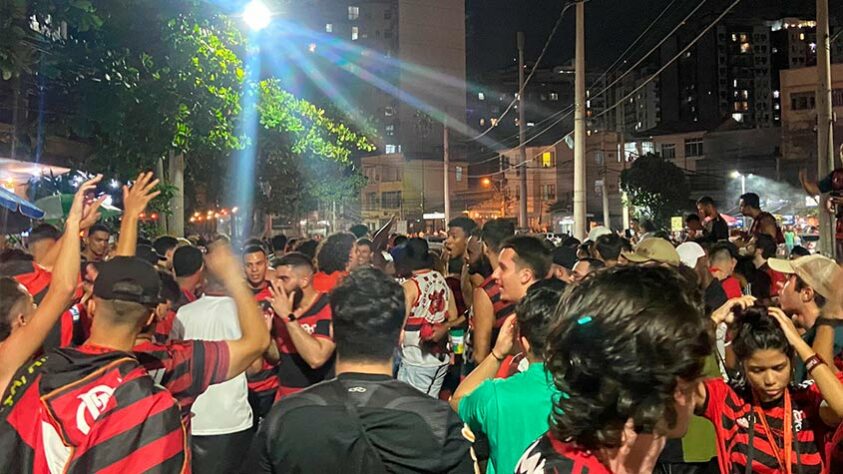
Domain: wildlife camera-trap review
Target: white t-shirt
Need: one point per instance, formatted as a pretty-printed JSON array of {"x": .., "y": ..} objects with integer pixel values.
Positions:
[{"x": 223, "y": 408}]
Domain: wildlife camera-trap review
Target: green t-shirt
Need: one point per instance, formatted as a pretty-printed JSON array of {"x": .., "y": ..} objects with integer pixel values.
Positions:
[{"x": 511, "y": 412}]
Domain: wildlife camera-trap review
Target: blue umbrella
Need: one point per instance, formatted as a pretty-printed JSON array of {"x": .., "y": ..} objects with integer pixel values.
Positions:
[{"x": 16, "y": 213}]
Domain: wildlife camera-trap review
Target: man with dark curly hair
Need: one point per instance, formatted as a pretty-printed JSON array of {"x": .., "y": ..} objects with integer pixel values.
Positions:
[
  {"x": 627, "y": 356},
  {"x": 334, "y": 258}
]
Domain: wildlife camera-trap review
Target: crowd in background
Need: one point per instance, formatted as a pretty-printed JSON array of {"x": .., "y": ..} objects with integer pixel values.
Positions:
[{"x": 368, "y": 351}]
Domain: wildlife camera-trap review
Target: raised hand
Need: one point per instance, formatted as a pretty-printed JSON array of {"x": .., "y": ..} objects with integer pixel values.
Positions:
[
  {"x": 136, "y": 197},
  {"x": 726, "y": 313},
  {"x": 81, "y": 208},
  {"x": 506, "y": 338},
  {"x": 222, "y": 263},
  {"x": 790, "y": 331},
  {"x": 282, "y": 302}
]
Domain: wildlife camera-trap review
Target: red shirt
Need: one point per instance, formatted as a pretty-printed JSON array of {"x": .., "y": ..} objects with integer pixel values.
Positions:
[
  {"x": 324, "y": 283},
  {"x": 731, "y": 412},
  {"x": 732, "y": 287},
  {"x": 551, "y": 456}
]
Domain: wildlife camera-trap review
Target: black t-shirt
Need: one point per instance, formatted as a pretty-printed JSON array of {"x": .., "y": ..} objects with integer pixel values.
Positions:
[
  {"x": 360, "y": 423},
  {"x": 716, "y": 230},
  {"x": 715, "y": 296}
]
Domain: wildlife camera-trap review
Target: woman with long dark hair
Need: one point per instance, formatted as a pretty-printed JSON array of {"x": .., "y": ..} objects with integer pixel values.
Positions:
[{"x": 764, "y": 423}]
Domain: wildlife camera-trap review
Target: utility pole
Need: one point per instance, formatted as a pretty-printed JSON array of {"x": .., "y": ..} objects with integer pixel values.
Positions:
[
  {"x": 622, "y": 156},
  {"x": 605, "y": 172},
  {"x": 447, "y": 183},
  {"x": 523, "y": 221},
  {"x": 579, "y": 126},
  {"x": 825, "y": 139}
]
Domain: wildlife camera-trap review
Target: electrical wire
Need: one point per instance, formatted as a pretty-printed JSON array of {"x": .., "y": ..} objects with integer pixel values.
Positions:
[{"x": 532, "y": 71}]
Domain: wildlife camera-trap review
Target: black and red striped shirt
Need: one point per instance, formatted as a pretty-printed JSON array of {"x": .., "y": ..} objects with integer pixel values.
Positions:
[
  {"x": 185, "y": 368},
  {"x": 548, "y": 455},
  {"x": 90, "y": 410},
  {"x": 731, "y": 411},
  {"x": 264, "y": 382},
  {"x": 294, "y": 373},
  {"x": 503, "y": 309}
]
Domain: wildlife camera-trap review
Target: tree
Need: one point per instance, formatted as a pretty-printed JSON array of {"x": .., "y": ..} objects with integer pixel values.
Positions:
[{"x": 658, "y": 188}]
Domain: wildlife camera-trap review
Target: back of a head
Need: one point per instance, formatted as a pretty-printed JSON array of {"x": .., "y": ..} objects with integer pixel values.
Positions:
[
  {"x": 14, "y": 255},
  {"x": 607, "y": 352},
  {"x": 279, "y": 242},
  {"x": 11, "y": 297},
  {"x": 496, "y": 231},
  {"x": 531, "y": 253},
  {"x": 359, "y": 230},
  {"x": 593, "y": 264},
  {"x": 767, "y": 245},
  {"x": 721, "y": 251},
  {"x": 43, "y": 232},
  {"x": 367, "y": 309},
  {"x": 799, "y": 251},
  {"x": 752, "y": 200},
  {"x": 648, "y": 226},
  {"x": 466, "y": 224},
  {"x": 690, "y": 218},
  {"x": 571, "y": 243},
  {"x": 164, "y": 244},
  {"x": 755, "y": 330},
  {"x": 536, "y": 313},
  {"x": 170, "y": 290},
  {"x": 334, "y": 252},
  {"x": 610, "y": 246},
  {"x": 126, "y": 291},
  {"x": 307, "y": 247},
  {"x": 187, "y": 261}
]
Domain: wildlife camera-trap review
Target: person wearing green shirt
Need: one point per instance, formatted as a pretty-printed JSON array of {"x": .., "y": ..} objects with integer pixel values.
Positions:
[{"x": 513, "y": 412}]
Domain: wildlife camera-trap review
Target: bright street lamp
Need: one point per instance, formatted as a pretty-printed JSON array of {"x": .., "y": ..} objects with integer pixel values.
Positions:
[
  {"x": 738, "y": 174},
  {"x": 257, "y": 15}
]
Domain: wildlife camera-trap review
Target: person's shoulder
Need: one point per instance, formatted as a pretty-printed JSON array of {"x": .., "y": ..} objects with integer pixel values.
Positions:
[{"x": 546, "y": 456}]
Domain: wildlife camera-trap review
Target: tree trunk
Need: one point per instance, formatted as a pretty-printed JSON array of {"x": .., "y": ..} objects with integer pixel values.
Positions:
[
  {"x": 163, "y": 224},
  {"x": 177, "y": 202}
]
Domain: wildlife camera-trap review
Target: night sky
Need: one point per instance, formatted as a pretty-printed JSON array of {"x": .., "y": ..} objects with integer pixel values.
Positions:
[{"x": 611, "y": 25}]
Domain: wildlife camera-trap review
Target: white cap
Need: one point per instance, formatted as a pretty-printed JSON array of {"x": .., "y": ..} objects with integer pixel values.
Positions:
[
  {"x": 690, "y": 253},
  {"x": 598, "y": 231}
]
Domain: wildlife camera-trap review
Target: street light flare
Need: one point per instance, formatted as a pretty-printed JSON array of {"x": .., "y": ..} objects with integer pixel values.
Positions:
[{"x": 257, "y": 15}]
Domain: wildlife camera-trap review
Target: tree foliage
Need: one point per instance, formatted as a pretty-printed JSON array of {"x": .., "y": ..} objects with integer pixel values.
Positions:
[
  {"x": 657, "y": 187},
  {"x": 175, "y": 81}
]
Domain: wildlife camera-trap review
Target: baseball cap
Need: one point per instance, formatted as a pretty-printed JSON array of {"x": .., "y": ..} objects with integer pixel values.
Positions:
[
  {"x": 128, "y": 279},
  {"x": 148, "y": 253},
  {"x": 596, "y": 232},
  {"x": 817, "y": 271},
  {"x": 564, "y": 257},
  {"x": 187, "y": 261},
  {"x": 654, "y": 250},
  {"x": 690, "y": 253}
]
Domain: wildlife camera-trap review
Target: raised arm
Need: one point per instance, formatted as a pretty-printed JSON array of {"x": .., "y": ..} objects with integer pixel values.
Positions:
[
  {"x": 830, "y": 387},
  {"x": 487, "y": 369},
  {"x": 254, "y": 338},
  {"x": 314, "y": 350},
  {"x": 135, "y": 199},
  {"x": 484, "y": 320},
  {"x": 26, "y": 340}
]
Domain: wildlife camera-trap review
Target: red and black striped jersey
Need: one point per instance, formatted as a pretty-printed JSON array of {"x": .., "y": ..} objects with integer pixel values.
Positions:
[
  {"x": 731, "y": 411},
  {"x": 293, "y": 371},
  {"x": 90, "y": 410},
  {"x": 502, "y": 309},
  {"x": 164, "y": 326},
  {"x": 551, "y": 456},
  {"x": 71, "y": 330},
  {"x": 185, "y": 368},
  {"x": 264, "y": 382}
]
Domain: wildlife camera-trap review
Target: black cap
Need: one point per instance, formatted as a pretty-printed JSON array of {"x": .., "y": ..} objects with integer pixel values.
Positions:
[
  {"x": 148, "y": 253},
  {"x": 187, "y": 261},
  {"x": 128, "y": 279},
  {"x": 565, "y": 257}
]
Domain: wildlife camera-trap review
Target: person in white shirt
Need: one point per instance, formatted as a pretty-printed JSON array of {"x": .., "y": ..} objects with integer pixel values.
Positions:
[{"x": 221, "y": 427}]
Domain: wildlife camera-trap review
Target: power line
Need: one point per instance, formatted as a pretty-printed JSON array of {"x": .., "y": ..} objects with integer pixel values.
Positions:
[{"x": 533, "y": 71}]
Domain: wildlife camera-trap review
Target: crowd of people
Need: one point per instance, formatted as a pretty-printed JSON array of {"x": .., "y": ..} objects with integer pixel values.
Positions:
[{"x": 367, "y": 351}]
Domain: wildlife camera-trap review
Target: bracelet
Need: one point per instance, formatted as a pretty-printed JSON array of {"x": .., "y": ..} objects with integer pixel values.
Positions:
[
  {"x": 499, "y": 359},
  {"x": 292, "y": 317},
  {"x": 829, "y": 322},
  {"x": 813, "y": 362}
]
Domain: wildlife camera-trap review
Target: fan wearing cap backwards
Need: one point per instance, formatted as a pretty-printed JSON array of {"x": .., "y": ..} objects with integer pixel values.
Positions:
[
  {"x": 64, "y": 409},
  {"x": 23, "y": 325},
  {"x": 809, "y": 282}
]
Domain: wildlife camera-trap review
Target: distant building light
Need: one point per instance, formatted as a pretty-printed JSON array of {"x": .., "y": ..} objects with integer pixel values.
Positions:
[
  {"x": 355, "y": 33},
  {"x": 311, "y": 47},
  {"x": 329, "y": 27},
  {"x": 481, "y": 96}
]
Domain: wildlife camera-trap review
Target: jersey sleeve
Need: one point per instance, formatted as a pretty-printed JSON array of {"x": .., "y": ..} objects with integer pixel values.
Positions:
[
  {"x": 323, "y": 329},
  {"x": 210, "y": 362},
  {"x": 716, "y": 391},
  {"x": 474, "y": 408}
]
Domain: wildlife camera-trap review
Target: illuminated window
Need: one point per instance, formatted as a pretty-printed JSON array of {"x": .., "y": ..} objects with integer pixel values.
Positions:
[
  {"x": 458, "y": 173},
  {"x": 801, "y": 36},
  {"x": 481, "y": 96},
  {"x": 353, "y": 13},
  {"x": 329, "y": 28},
  {"x": 554, "y": 96},
  {"x": 388, "y": 111},
  {"x": 746, "y": 48},
  {"x": 548, "y": 191},
  {"x": 390, "y": 130},
  {"x": 391, "y": 200},
  {"x": 482, "y": 122},
  {"x": 776, "y": 94},
  {"x": 548, "y": 159},
  {"x": 389, "y": 149},
  {"x": 355, "y": 33}
]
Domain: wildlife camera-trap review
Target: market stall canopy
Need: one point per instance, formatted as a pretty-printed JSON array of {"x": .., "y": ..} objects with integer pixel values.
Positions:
[
  {"x": 57, "y": 207},
  {"x": 16, "y": 213}
]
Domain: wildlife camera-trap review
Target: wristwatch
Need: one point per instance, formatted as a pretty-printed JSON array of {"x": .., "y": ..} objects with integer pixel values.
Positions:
[{"x": 291, "y": 317}]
